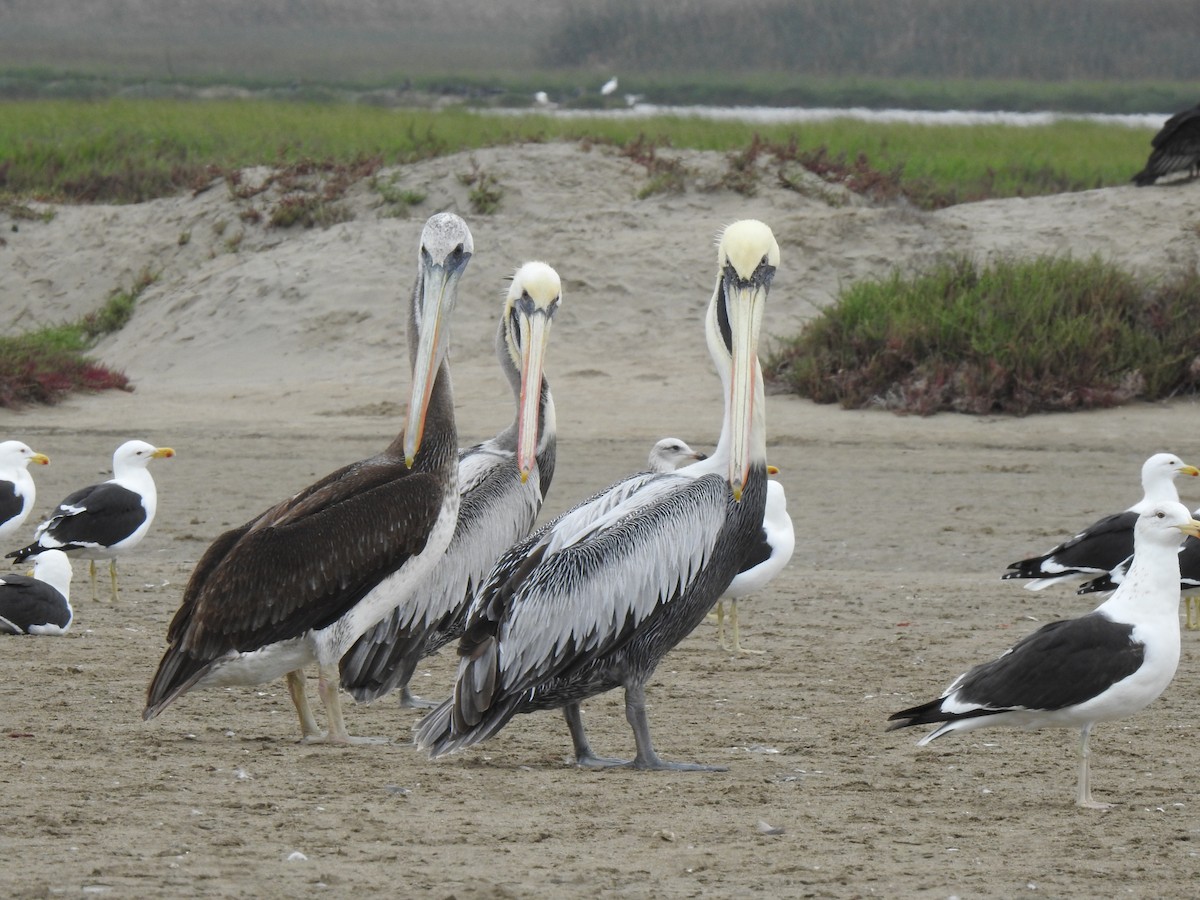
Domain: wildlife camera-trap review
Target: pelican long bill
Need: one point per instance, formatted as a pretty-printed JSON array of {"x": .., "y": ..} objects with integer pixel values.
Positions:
[
  {"x": 438, "y": 293},
  {"x": 746, "y": 302},
  {"x": 535, "y": 335}
]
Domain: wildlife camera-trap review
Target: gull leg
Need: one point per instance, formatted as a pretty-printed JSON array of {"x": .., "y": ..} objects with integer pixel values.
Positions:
[
  {"x": 112, "y": 572},
  {"x": 635, "y": 713},
  {"x": 92, "y": 571},
  {"x": 309, "y": 730},
  {"x": 583, "y": 750},
  {"x": 1190, "y": 604},
  {"x": 721, "y": 625},
  {"x": 733, "y": 620},
  {"x": 327, "y": 686},
  {"x": 1084, "y": 795}
]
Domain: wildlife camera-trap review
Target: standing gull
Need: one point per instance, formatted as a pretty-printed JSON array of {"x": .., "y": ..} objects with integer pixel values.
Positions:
[
  {"x": 41, "y": 604},
  {"x": 501, "y": 482},
  {"x": 595, "y": 599},
  {"x": 1102, "y": 545},
  {"x": 102, "y": 521},
  {"x": 1074, "y": 673},
  {"x": 17, "y": 490},
  {"x": 301, "y": 582}
]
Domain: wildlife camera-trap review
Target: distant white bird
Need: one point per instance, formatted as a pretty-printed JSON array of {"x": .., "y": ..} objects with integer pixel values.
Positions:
[
  {"x": 541, "y": 98},
  {"x": 102, "y": 521},
  {"x": 671, "y": 453},
  {"x": 1102, "y": 546},
  {"x": 17, "y": 491},
  {"x": 609, "y": 86},
  {"x": 1074, "y": 673},
  {"x": 41, "y": 604}
]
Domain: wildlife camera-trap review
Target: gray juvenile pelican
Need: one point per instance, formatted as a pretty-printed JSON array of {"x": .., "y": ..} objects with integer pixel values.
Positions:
[
  {"x": 1074, "y": 673},
  {"x": 302, "y": 581},
  {"x": 102, "y": 521},
  {"x": 502, "y": 483},
  {"x": 17, "y": 490},
  {"x": 595, "y": 599}
]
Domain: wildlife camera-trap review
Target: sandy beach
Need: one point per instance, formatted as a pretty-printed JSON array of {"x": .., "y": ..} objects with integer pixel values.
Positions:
[{"x": 268, "y": 357}]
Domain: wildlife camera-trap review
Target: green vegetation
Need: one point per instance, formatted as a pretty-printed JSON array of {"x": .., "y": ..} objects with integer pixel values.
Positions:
[
  {"x": 132, "y": 150},
  {"x": 1013, "y": 337},
  {"x": 45, "y": 365}
]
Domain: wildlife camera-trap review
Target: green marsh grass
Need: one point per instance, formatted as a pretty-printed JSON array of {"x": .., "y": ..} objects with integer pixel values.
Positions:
[
  {"x": 133, "y": 150},
  {"x": 1015, "y": 337}
]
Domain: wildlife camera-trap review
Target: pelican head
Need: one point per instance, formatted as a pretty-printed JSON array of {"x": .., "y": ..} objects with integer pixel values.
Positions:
[
  {"x": 747, "y": 256},
  {"x": 446, "y": 248},
  {"x": 529, "y": 307}
]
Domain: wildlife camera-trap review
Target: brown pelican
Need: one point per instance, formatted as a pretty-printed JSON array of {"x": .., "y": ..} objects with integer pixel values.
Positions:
[
  {"x": 302, "y": 581},
  {"x": 102, "y": 521},
  {"x": 40, "y": 604},
  {"x": 1101, "y": 546},
  {"x": 1176, "y": 148},
  {"x": 502, "y": 483},
  {"x": 1099, "y": 667},
  {"x": 596, "y": 598},
  {"x": 17, "y": 490}
]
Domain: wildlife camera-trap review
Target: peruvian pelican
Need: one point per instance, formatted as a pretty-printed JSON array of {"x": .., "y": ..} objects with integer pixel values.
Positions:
[
  {"x": 1074, "y": 673},
  {"x": 595, "y": 599},
  {"x": 17, "y": 490},
  {"x": 1102, "y": 546},
  {"x": 302, "y": 581},
  {"x": 102, "y": 521},
  {"x": 502, "y": 483}
]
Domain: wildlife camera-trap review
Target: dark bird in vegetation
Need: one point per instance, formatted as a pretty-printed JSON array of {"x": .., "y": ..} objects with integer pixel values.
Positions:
[
  {"x": 1176, "y": 148},
  {"x": 1073, "y": 673}
]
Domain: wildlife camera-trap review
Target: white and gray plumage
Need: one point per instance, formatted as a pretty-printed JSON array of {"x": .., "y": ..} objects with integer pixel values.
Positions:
[
  {"x": 595, "y": 599},
  {"x": 768, "y": 557},
  {"x": 301, "y": 582},
  {"x": 40, "y": 604},
  {"x": 103, "y": 521},
  {"x": 17, "y": 490},
  {"x": 1102, "y": 545},
  {"x": 1176, "y": 148},
  {"x": 670, "y": 453},
  {"x": 1074, "y": 673},
  {"x": 502, "y": 483}
]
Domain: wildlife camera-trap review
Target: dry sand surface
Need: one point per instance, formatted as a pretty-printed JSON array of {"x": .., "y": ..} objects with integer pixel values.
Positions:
[{"x": 266, "y": 360}]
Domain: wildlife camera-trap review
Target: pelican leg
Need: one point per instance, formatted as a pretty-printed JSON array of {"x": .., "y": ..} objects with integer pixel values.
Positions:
[
  {"x": 733, "y": 621},
  {"x": 112, "y": 572},
  {"x": 309, "y": 730},
  {"x": 328, "y": 687},
  {"x": 584, "y": 757},
  {"x": 1084, "y": 795},
  {"x": 635, "y": 713}
]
